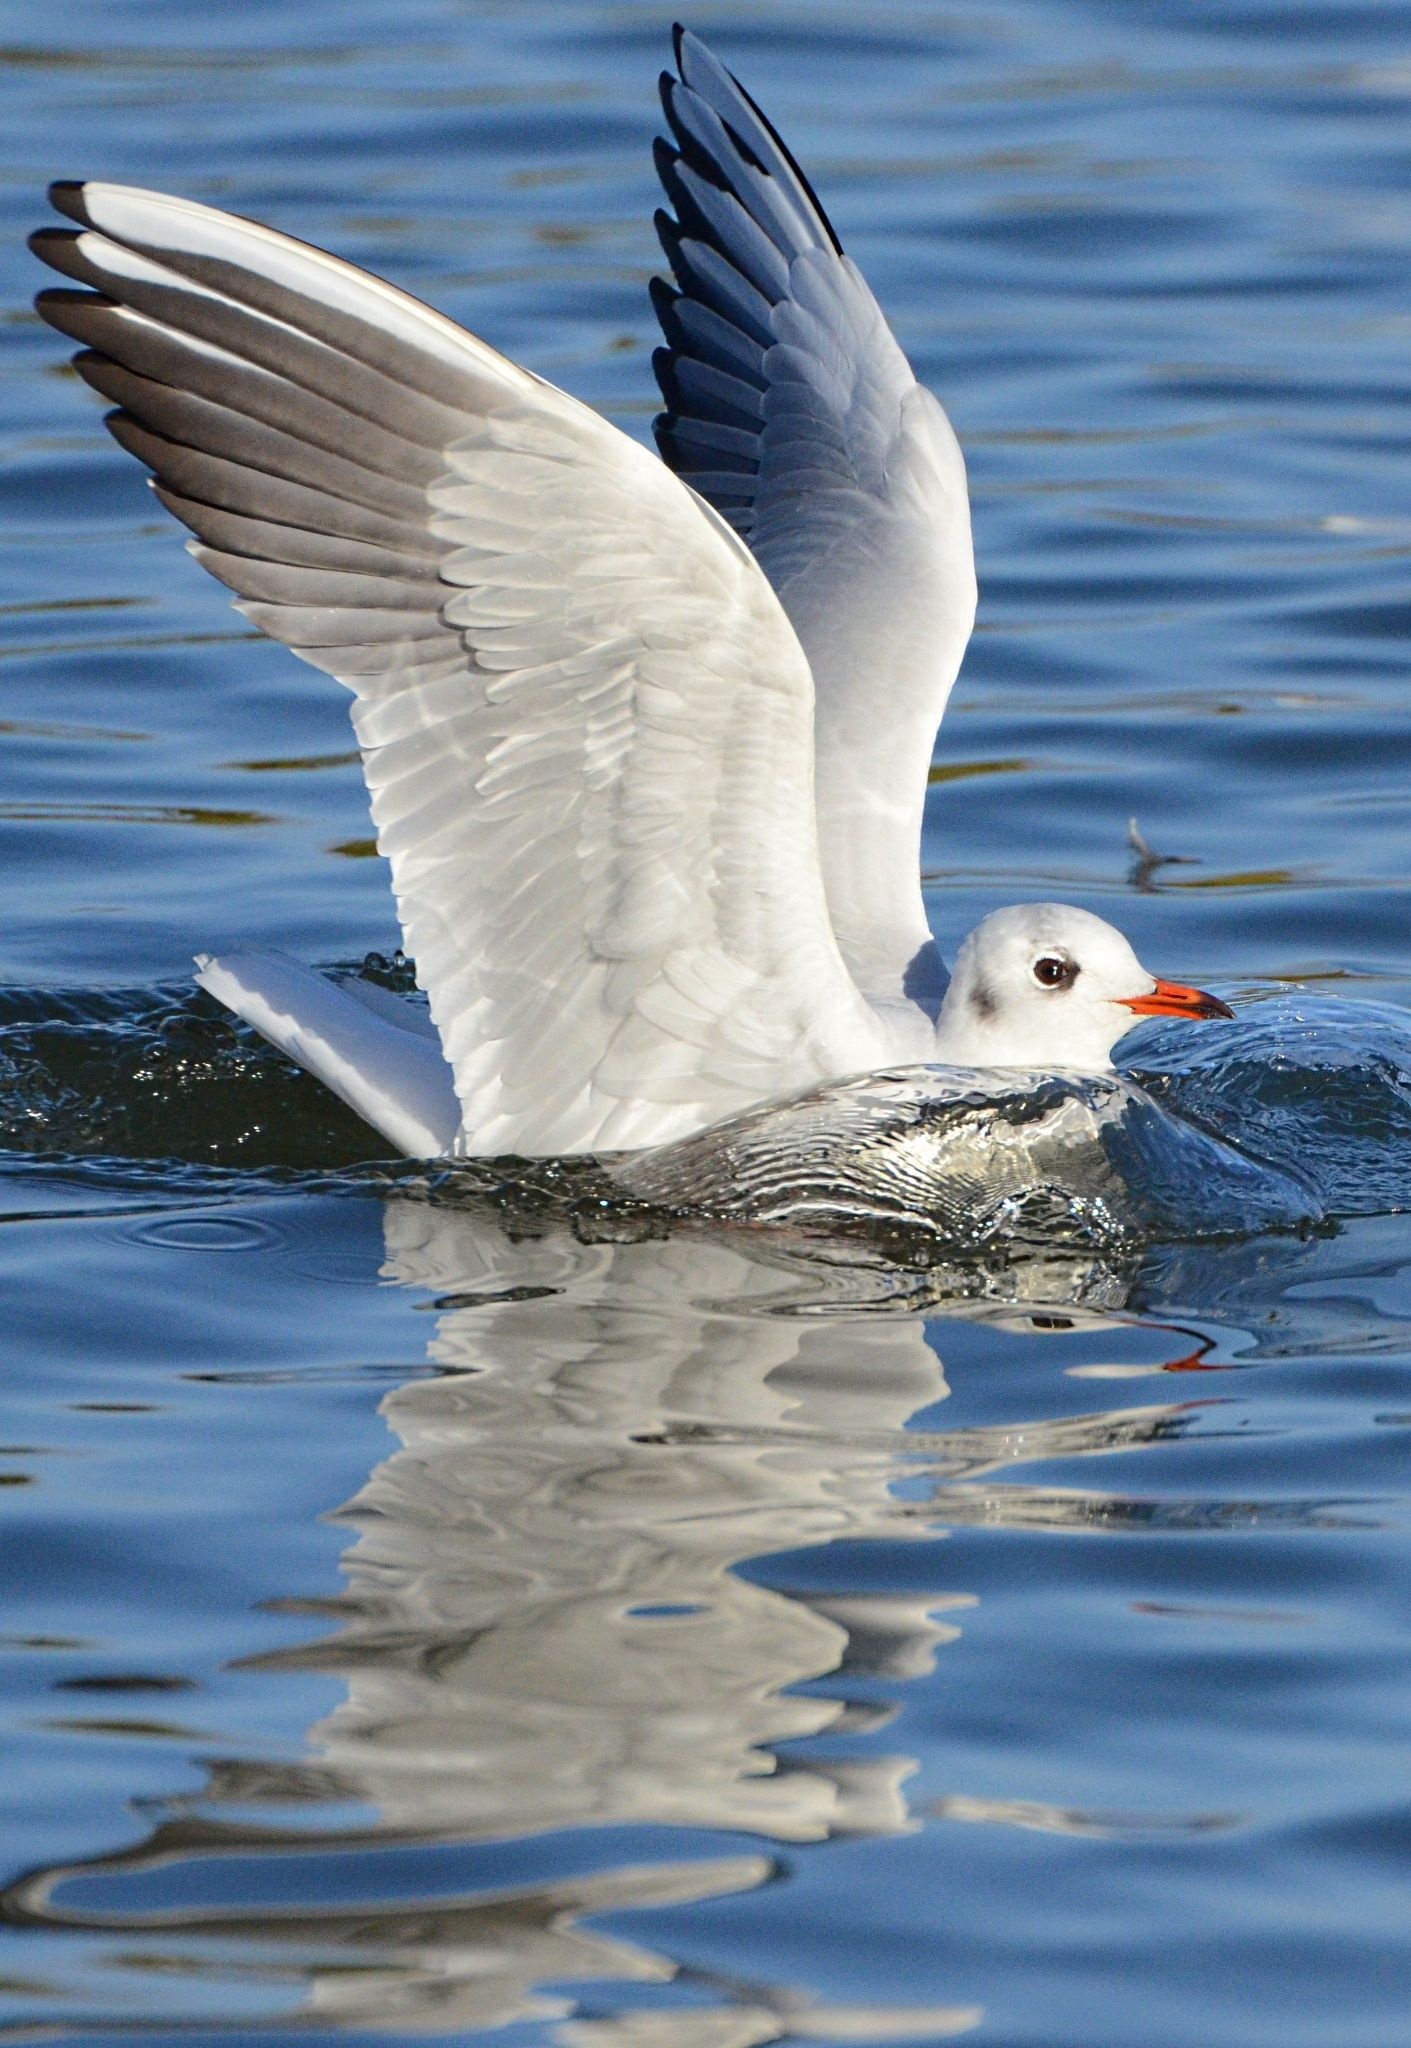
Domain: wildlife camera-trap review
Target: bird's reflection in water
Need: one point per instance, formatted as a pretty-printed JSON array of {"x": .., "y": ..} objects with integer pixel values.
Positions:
[{"x": 545, "y": 1627}]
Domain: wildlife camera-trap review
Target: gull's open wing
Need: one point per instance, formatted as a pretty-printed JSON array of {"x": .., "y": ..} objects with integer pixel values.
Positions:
[
  {"x": 585, "y": 721},
  {"x": 793, "y": 410}
]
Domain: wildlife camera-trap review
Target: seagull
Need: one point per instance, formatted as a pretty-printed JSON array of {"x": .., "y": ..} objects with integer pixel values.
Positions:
[{"x": 646, "y": 740}]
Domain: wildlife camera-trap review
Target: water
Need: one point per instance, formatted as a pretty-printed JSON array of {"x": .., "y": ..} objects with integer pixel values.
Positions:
[{"x": 460, "y": 1607}]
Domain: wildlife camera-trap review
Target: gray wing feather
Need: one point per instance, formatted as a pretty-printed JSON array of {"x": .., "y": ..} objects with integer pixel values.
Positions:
[
  {"x": 240, "y": 534},
  {"x": 233, "y": 487}
]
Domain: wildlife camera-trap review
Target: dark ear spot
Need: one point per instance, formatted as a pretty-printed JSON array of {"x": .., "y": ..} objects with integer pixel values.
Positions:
[{"x": 982, "y": 1002}]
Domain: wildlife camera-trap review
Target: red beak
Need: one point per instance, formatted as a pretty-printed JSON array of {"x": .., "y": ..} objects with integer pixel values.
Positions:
[{"x": 1174, "y": 999}]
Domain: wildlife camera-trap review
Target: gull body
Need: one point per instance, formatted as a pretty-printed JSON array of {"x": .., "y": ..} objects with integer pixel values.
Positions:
[{"x": 646, "y": 741}]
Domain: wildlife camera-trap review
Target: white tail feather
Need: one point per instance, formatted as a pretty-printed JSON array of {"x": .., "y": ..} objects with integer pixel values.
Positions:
[{"x": 389, "y": 1069}]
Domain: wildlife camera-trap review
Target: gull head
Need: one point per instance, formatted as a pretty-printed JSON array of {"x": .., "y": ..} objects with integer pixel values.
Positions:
[{"x": 1044, "y": 986}]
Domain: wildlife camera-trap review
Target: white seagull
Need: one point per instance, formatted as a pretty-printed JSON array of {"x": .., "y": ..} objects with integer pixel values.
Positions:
[{"x": 646, "y": 741}]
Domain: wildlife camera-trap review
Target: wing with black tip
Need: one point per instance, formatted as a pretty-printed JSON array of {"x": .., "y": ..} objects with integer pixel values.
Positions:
[{"x": 791, "y": 408}]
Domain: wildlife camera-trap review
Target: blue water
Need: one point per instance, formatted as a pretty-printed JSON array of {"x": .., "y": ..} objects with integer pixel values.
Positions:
[{"x": 444, "y": 1610}]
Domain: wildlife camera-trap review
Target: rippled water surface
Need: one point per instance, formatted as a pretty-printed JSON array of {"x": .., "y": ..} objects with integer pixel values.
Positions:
[{"x": 448, "y": 1606}]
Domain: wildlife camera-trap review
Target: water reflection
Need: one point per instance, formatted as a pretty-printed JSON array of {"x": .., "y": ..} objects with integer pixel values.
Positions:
[
  {"x": 547, "y": 1564},
  {"x": 550, "y": 1625}
]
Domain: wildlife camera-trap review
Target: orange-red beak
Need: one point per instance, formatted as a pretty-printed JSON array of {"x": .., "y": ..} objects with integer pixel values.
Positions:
[{"x": 1174, "y": 999}]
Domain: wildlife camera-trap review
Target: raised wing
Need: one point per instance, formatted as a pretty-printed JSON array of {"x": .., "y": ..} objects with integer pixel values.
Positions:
[
  {"x": 793, "y": 410},
  {"x": 585, "y": 721}
]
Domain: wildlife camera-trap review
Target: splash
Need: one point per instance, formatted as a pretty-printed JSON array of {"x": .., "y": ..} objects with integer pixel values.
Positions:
[
  {"x": 1297, "y": 1114},
  {"x": 992, "y": 1160}
]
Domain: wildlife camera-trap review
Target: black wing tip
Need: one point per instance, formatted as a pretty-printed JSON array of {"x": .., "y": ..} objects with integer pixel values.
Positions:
[
  {"x": 669, "y": 235},
  {"x": 686, "y": 149},
  {"x": 664, "y": 370},
  {"x": 664, "y": 434},
  {"x": 680, "y": 39},
  {"x": 57, "y": 299},
  {"x": 44, "y": 239},
  {"x": 66, "y": 197},
  {"x": 691, "y": 222},
  {"x": 790, "y": 159},
  {"x": 96, "y": 370},
  {"x": 129, "y": 433},
  {"x": 664, "y": 295},
  {"x": 61, "y": 249}
]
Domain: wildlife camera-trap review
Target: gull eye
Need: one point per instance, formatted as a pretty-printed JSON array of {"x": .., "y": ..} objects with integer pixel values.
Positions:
[{"x": 1053, "y": 970}]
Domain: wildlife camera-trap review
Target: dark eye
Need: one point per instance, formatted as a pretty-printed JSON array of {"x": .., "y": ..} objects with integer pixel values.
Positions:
[{"x": 1053, "y": 971}]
